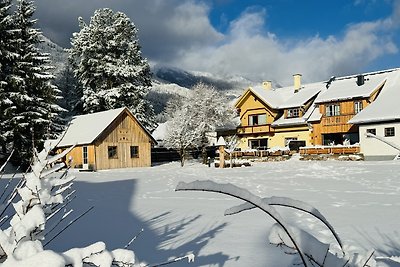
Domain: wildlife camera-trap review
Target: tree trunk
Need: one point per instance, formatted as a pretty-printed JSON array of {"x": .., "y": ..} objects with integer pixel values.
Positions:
[
  {"x": 204, "y": 154},
  {"x": 182, "y": 156}
]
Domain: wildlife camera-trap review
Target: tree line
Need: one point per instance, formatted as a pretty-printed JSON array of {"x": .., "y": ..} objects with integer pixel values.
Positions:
[{"x": 105, "y": 70}]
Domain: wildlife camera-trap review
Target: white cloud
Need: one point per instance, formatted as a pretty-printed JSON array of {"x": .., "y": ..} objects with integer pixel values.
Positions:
[
  {"x": 179, "y": 33},
  {"x": 249, "y": 51}
]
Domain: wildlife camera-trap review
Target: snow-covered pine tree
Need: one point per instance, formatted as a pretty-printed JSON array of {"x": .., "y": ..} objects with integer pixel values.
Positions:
[
  {"x": 108, "y": 64},
  {"x": 7, "y": 56},
  {"x": 33, "y": 114},
  {"x": 71, "y": 92}
]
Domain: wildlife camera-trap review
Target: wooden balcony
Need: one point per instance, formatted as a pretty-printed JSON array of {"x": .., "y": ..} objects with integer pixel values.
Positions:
[
  {"x": 336, "y": 120},
  {"x": 255, "y": 129}
]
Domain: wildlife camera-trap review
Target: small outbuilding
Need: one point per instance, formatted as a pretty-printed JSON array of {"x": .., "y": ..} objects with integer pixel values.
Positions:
[
  {"x": 379, "y": 123},
  {"x": 107, "y": 140}
]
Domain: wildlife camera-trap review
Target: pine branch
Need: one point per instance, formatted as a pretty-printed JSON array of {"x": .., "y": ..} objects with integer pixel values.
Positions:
[
  {"x": 9, "y": 182},
  {"x": 133, "y": 239},
  {"x": 66, "y": 214},
  {"x": 189, "y": 257},
  {"x": 68, "y": 225}
]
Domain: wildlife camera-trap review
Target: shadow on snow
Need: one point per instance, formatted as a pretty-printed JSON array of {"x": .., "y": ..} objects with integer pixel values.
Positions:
[{"x": 113, "y": 222}]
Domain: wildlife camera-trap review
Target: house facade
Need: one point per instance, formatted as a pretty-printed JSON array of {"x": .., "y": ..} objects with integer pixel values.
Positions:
[
  {"x": 379, "y": 123},
  {"x": 320, "y": 113},
  {"x": 107, "y": 140},
  {"x": 272, "y": 117},
  {"x": 342, "y": 99}
]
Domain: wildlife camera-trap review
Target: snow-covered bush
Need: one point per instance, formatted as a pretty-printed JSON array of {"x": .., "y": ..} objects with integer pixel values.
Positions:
[{"x": 291, "y": 238}]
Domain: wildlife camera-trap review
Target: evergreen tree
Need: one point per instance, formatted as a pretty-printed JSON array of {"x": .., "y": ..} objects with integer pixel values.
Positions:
[
  {"x": 7, "y": 61},
  {"x": 109, "y": 66},
  {"x": 71, "y": 92},
  {"x": 32, "y": 114}
]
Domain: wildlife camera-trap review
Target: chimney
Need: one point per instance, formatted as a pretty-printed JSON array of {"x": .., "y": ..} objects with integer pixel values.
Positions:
[
  {"x": 297, "y": 82},
  {"x": 360, "y": 80},
  {"x": 267, "y": 85}
]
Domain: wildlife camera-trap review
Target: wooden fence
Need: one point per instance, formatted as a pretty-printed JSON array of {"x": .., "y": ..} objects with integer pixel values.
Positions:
[{"x": 340, "y": 150}]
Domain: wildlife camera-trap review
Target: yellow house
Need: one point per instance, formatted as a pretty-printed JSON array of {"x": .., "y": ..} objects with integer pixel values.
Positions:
[
  {"x": 317, "y": 113},
  {"x": 106, "y": 140},
  {"x": 271, "y": 117}
]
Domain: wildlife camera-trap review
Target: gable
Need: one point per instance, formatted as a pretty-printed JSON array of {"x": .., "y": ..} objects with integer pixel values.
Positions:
[
  {"x": 124, "y": 129},
  {"x": 85, "y": 129},
  {"x": 251, "y": 100}
]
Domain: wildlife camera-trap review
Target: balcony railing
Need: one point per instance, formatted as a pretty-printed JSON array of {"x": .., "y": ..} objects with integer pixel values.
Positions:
[
  {"x": 336, "y": 120},
  {"x": 338, "y": 149},
  {"x": 255, "y": 129}
]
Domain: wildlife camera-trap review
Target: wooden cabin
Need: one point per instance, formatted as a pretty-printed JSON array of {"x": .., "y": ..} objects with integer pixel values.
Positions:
[{"x": 107, "y": 140}]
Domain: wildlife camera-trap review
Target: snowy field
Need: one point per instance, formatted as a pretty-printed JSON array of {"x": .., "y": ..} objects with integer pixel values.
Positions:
[{"x": 360, "y": 199}]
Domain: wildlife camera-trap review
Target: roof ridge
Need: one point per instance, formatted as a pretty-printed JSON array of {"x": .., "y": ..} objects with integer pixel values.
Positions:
[{"x": 367, "y": 73}]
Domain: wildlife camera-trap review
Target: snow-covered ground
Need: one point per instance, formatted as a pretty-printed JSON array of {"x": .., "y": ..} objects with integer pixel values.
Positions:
[{"x": 360, "y": 199}]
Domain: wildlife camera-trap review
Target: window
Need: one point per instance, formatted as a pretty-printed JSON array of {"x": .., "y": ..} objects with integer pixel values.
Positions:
[
  {"x": 259, "y": 119},
  {"x": 293, "y": 113},
  {"x": 333, "y": 110},
  {"x": 288, "y": 139},
  {"x": 112, "y": 152},
  {"x": 358, "y": 106},
  {"x": 134, "y": 152},
  {"x": 371, "y": 131},
  {"x": 259, "y": 143},
  {"x": 85, "y": 155},
  {"x": 389, "y": 131}
]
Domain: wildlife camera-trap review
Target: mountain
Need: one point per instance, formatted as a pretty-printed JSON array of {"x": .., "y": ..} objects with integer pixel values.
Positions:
[{"x": 187, "y": 79}]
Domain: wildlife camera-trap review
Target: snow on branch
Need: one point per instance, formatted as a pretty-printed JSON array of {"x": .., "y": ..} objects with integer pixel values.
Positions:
[
  {"x": 294, "y": 240},
  {"x": 289, "y": 203},
  {"x": 232, "y": 190}
]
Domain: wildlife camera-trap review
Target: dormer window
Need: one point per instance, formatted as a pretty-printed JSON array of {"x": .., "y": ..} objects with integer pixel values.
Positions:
[{"x": 293, "y": 113}]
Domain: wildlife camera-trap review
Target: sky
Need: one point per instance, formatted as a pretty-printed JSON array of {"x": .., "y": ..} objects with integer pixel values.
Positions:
[{"x": 260, "y": 40}]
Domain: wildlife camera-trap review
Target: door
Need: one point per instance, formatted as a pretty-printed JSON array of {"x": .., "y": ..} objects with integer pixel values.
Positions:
[{"x": 85, "y": 161}]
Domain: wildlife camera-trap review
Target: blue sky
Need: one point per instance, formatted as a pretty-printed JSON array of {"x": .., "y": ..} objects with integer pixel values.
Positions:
[
  {"x": 261, "y": 40},
  {"x": 309, "y": 17}
]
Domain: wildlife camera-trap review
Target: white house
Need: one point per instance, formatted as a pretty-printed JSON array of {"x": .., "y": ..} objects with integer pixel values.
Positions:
[{"x": 382, "y": 119}]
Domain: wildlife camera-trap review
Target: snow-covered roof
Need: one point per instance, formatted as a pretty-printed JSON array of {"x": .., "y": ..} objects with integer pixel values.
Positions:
[
  {"x": 315, "y": 114},
  {"x": 307, "y": 92},
  {"x": 160, "y": 132},
  {"x": 346, "y": 87},
  {"x": 272, "y": 97},
  {"x": 84, "y": 129},
  {"x": 386, "y": 105},
  {"x": 296, "y": 121},
  {"x": 286, "y": 97},
  {"x": 288, "y": 122}
]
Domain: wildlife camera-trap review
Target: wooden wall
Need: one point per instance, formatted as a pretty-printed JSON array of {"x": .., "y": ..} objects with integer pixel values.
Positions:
[
  {"x": 76, "y": 154},
  {"x": 336, "y": 124},
  {"x": 123, "y": 133}
]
